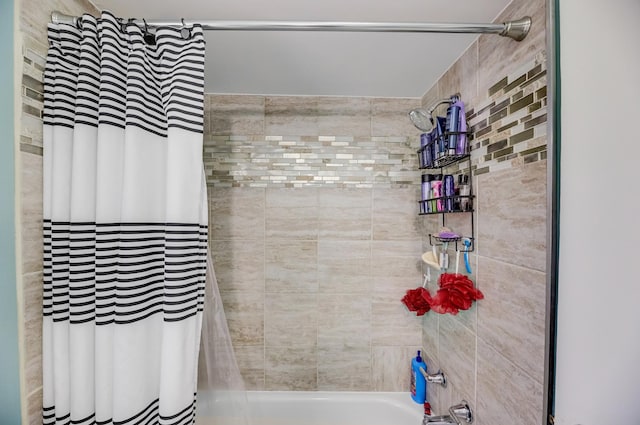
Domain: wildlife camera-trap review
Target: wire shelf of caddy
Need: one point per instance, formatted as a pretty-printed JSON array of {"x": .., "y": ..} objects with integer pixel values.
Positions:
[
  {"x": 443, "y": 150},
  {"x": 461, "y": 243},
  {"x": 447, "y": 204}
]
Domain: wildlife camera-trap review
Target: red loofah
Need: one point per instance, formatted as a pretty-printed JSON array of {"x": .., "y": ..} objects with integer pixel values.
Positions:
[
  {"x": 456, "y": 293},
  {"x": 417, "y": 300}
]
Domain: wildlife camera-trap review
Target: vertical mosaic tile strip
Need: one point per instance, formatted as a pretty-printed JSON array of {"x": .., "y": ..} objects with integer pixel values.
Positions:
[
  {"x": 32, "y": 92},
  {"x": 510, "y": 124}
]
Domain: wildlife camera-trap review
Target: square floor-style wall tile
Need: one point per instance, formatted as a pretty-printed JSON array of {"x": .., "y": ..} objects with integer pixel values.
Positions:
[
  {"x": 344, "y": 367},
  {"x": 236, "y": 213},
  {"x": 391, "y": 367},
  {"x": 291, "y": 369},
  {"x": 505, "y": 393},
  {"x": 344, "y": 116},
  {"x": 291, "y": 116},
  {"x": 233, "y": 114},
  {"x": 239, "y": 264},
  {"x": 291, "y": 320},
  {"x": 512, "y": 215},
  {"x": 344, "y": 214},
  {"x": 291, "y": 266},
  {"x": 512, "y": 317},
  {"x": 457, "y": 355},
  {"x": 250, "y": 359},
  {"x": 344, "y": 267},
  {"x": 389, "y": 117},
  {"x": 344, "y": 319},
  {"x": 292, "y": 213},
  {"x": 31, "y": 212},
  {"x": 395, "y": 214},
  {"x": 245, "y": 316}
]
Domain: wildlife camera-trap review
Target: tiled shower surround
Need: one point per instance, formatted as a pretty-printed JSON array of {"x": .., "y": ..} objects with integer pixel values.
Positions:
[
  {"x": 316, "y": 237},
  {"x": 314, "y": 245}
]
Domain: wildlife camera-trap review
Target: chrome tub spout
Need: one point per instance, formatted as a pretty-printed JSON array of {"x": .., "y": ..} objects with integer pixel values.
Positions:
[{"x": 458, "y": 414}]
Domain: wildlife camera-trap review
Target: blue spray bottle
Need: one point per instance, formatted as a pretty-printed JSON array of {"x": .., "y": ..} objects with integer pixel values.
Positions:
[{"x": 418, "y": 382}]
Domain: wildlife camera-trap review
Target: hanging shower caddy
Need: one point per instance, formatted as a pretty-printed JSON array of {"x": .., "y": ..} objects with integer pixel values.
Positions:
[{"x": 443, "y": 205}]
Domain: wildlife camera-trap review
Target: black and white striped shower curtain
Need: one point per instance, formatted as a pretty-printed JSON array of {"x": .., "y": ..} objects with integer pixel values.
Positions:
[{"x": 125, "y": 223}]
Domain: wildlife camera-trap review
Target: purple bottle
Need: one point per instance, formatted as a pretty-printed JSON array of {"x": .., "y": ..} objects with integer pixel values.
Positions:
[
  {"x": 449, "y": 192},
  {"x": 452, "y": 128},
  {"x": 425, "y": 158},
  {"x": 461, "y": 146}
]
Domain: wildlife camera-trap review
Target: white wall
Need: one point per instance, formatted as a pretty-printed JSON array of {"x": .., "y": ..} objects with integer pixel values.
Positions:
[{"x": 598, "y": 355}]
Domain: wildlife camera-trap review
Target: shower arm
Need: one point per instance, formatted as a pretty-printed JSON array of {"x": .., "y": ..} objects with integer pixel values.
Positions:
[
  {"x": 517, "y": 29},
  {"x": 452, "y": 99}
]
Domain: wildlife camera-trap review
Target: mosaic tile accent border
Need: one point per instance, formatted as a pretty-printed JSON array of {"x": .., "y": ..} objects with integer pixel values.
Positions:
[
  {"x": 303, "y": 161},
  {"x": 32, "y": 91},
  {"x": 510, "y": 125}
]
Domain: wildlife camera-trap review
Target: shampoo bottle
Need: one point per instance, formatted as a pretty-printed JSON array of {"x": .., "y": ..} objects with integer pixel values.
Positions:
[
  {"x": 418, "y": 382},
  {"x": 461, "y": 147},
  {"x": 441, "y": 126},
  {"x": 453, "y": 128}
]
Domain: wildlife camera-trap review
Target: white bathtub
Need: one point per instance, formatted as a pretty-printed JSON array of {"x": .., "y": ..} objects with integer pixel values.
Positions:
[{"x": 316, "y": 408}]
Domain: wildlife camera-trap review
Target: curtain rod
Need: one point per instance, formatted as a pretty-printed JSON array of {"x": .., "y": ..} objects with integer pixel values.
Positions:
[{"x": 517, "y": 29}]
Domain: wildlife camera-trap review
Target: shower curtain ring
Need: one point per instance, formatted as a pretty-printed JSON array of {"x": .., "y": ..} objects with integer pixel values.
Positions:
[{"x": 185, "y": 32}]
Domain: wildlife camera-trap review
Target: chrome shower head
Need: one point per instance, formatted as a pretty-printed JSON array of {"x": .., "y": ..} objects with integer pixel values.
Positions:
[{"x": 422, "y": 118}]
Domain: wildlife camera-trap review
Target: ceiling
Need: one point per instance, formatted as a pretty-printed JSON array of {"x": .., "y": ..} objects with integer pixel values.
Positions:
[{"x": 322, "y": 63}]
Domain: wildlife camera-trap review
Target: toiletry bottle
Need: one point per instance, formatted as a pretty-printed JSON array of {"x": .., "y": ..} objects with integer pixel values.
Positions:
[
  {"x": 464, "y": 193},
  {"x": 436, "y": 185},
  {"x": 456, "y": 199},
  {"x": 433, "y": 146},
  {"x": 425, "y": 190},
  {"x": 461, "y": 147},
  {"x": 425, "y": 154},
  {"x": 422, "y": 152},
  {"x": 449, "y": 191},
  {"x": 418, "y": 381},
  {"x": 441, "y": 126},
  {"x": 429, "y": 189},
  {"x": 452, "y": 127},
  {"x": 427, "y": 151}
]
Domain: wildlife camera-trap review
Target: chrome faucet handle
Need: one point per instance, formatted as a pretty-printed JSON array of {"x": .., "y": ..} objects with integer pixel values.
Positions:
[
  {"x": 462, "y": 412},
  {"x": 436, "y": 378}
]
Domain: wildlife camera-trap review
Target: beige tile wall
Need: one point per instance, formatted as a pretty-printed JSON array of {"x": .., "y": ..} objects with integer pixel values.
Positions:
[
  {"x": 312, "y": 271},
  {"x": 34, "y": 16},
  {"x": 493, "y": 354}
]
